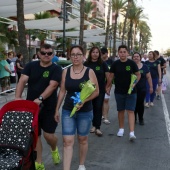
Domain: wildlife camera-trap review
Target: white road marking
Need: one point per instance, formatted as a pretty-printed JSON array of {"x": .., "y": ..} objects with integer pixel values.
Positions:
[{"x": 166, "y": 114}]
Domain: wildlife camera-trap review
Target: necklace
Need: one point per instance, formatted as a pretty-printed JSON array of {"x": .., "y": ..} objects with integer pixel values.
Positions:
[{"x": 79, "y": 72}]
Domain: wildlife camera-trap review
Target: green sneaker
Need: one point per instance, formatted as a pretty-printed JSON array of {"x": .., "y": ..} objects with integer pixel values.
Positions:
[
  {"x": 55, "y": 156},
  {"x": 39, "y": 166}
]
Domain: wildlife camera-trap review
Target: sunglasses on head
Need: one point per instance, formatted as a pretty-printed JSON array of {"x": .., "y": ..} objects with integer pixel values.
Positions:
[{"x": 44, "y": 53}]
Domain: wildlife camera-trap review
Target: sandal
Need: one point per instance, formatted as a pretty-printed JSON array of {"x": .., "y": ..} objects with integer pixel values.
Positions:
[
  {"x": 93, "y": 130},
  {"x": 106, "y": 121},
  {"x": 98, "y": 132}
]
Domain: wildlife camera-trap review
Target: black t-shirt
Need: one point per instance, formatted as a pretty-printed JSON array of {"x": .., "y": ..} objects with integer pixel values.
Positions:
[
  {"x": 161, "y": 61},
  {"x": 153, "y": 68},
  {"x": 109, "y": 62},
  {"x": 21, "y": 65},
  {"x": 141, "y": 85},
  {"x": 72, "y": 86},
  {"x": 122, "y": 75},
  {"x": 100, "y": 70},
  {"x": 39, "y": 78}
]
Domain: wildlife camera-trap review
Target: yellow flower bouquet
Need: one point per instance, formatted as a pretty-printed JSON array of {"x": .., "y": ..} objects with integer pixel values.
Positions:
[
  {"x": 133, "y": 81},
  {"x": 87, "y": 88}
]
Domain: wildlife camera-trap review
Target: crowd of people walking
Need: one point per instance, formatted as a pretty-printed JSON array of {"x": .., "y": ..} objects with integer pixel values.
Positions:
[{"x": 104, "y": 73}]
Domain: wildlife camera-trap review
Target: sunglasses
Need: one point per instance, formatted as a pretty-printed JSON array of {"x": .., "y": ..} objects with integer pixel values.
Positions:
[{"x": 44, "y": 53}]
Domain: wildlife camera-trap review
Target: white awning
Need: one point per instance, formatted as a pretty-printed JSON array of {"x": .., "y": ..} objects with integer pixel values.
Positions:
[
  {"x": 8, "y": 7},
  {"x": 87, "y": 33},
  {"x": 50, "y": 24}
]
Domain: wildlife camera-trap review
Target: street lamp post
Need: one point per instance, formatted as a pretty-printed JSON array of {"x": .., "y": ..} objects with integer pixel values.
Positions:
[
  {"x": 64, "y": 16},
  {"x": 64, "y": 25}
]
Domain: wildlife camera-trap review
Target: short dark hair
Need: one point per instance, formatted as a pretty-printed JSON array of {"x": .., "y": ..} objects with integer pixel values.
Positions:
[
  {"x": 123, "y": 46},
  {"x": 77, "y": 46},
  {"x": 156, "y": 52},
  {"x": 138, "y": 54},
  {"x": 104, "y": 50},
  {"x": 46, "y": 46}
]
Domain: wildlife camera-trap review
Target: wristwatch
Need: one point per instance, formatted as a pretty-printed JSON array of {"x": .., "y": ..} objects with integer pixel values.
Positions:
[{"x": 40, "y": 98}]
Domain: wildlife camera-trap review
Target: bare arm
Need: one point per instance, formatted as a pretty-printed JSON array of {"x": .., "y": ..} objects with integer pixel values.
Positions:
[
  {"x": 61, "y": 96},
  {"x": 93, "y": 79},
  {"x": 138, "y": 75},
  {"x": 109, "y": 83},
  {"x": 159, "y": 73},
  {"x": 149, "y": 79},
  {"x": 7, "y": 69},
  {"x": 18, "y": 65},
  {"x": 20, "y": 86}
]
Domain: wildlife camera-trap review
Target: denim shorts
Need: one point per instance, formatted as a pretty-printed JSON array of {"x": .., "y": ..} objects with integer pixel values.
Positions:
[
  {"x": 126, "y": 101},
  {"x": 80, "y": 122}
]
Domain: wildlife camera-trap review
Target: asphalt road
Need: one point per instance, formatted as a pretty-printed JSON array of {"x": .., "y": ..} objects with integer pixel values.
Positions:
[{"x": 150, "y": 151}]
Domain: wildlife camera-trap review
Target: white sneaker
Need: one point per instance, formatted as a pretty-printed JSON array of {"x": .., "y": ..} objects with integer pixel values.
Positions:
[
  {"x": 81, "y": 167},
  {"x": 151, "y": 104},
  {"x": 120, "y": 133},
  {"x": 132, "y": 136},
  {"x": 106, "y": 121},
  {"x": 146, "y": 104}
]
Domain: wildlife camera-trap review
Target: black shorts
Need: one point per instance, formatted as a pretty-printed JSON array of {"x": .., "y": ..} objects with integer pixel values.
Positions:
[{"x": 46, "y": 121}]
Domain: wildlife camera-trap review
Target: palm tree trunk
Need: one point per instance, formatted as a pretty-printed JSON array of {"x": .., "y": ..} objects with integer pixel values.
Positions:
[
  {"x": 114, "y": 36},
  {"x": 108, "y": 24},
  {"x": 21, "y": 31},
  {"x": 129, "y": 35},
  {"x": 82, "y": 3}
]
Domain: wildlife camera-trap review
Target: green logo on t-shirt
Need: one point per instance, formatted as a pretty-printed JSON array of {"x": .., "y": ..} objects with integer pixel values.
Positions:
[
  {"x": 127, "y": 68},
  {"x": 97, "y": 67},
  {"x": 155, "y": 65},
  {"x": 141, "y": 71},
  {"x": 46, "y": 74}
]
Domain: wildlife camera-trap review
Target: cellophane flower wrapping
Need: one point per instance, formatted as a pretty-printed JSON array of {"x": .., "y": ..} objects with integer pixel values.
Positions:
[
  {"x": 87, "y": 88},
  {"x": 133, "y": 81}
]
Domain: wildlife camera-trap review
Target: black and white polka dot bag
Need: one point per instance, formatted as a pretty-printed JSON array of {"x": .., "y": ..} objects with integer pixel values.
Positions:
[{"x": 15, "y": 138}]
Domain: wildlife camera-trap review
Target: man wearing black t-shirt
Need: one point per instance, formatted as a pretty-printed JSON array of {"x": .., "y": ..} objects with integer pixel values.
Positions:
[
  {"x": 163, "y": 66},
  {"x": 43, "y": 78},
  {"x": 121, "y": 70}
]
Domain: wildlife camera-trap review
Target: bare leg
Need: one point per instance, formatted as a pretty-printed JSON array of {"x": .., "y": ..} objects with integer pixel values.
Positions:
[
  {"x": 159, "y": 90},
  {"x": 68, "y": 151},
  {"x": 39, "y": 150},
  {"x": 83, "y": 148},
  {"x": 51, "y": 140},
  {"x": 105, "y": 108},
  {"x": 131, "y": 119},
  {"x": 121, "y": 119}
]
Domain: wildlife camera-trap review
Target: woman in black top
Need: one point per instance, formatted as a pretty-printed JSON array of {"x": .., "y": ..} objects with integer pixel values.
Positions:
[
  {"x": 19, "y": 65},
  {"x": 72, "y": 77},
  {"x": 101, "y": 70},
  {"x": 141, "y": 87}
]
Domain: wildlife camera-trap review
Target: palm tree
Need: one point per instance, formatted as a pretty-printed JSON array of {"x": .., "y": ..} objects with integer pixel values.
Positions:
[
  {"x": 43, "y": 15},
  {"x": 117, "y": 6},
  {"x": 21, "y": 31},
  {"x": 130, "y": 2},
  {"x": 89, "y": 6},
  {"x": 134, "y": 15},
  {"x": 8, "y": 35},
  {"x": 144, "y": 36}
]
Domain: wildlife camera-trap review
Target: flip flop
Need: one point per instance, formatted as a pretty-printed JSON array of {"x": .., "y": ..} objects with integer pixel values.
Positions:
[
  {"x": 93, "y": 130},
  {"x": 98, "y": 132}
]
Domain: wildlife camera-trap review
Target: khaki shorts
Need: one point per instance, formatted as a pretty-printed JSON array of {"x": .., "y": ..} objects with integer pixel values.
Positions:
[{"x": 5, "y": 82}]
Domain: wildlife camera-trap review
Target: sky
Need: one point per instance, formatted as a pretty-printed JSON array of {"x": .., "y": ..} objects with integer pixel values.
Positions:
[{"x": 158, "y": 13}]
